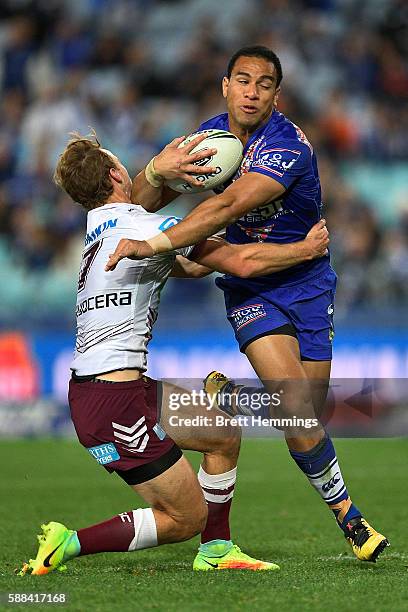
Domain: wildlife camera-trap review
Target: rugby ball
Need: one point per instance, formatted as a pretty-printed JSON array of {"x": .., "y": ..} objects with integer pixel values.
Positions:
[{"x": 226, "y": 160}]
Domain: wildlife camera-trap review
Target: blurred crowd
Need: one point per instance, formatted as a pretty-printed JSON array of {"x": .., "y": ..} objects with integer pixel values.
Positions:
[{"x": 144, "y": 71}]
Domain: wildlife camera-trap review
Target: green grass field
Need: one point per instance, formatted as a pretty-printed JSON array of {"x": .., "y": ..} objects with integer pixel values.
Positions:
[{"x": 276, "y": 516}]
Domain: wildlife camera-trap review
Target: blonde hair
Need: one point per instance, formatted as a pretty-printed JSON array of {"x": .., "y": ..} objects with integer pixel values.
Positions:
[{"x": 83, "y": 171}]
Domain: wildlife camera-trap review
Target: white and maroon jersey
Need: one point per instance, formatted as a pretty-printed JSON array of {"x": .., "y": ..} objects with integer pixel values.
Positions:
[{"x": 116, "y": 310}]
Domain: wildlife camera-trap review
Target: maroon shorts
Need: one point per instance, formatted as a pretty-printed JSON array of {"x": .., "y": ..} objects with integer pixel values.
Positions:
[{"x": 118, "y": 423}]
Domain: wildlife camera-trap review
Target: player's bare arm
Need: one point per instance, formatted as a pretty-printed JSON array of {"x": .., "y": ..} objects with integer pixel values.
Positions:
[
  {"x": 245, "y": 194},
  {"x": 149, "y": 189},
  {"x": 215, "y": 213},
  {"x": 250, "y": 260},
  {"x": 184, "y": 268}
]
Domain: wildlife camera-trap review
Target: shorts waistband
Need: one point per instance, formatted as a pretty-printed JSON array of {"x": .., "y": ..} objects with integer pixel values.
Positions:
[
  {"x": 82, "y": 379},
  {"x": 90, "y": 380}
]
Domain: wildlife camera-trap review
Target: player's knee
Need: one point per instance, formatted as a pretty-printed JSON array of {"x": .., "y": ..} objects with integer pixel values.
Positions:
[
  {"x": 232, "y": 441},
  {"x": 193, "y": 524},
  {"x": 295, "y": 400}
]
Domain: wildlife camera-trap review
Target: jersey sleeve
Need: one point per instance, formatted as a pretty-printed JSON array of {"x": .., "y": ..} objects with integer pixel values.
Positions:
[{"x": 284, "y": 162}]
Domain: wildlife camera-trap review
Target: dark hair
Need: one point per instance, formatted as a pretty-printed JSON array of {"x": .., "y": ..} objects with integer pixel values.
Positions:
[
  {"x": 83, "y": 171},
  {"x": 257, "y": 51}
]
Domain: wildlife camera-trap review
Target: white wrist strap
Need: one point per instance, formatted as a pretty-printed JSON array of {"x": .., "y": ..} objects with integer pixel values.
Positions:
[
  {"x": 155, "y": 180},
  {"x": 160, "y": 243}
]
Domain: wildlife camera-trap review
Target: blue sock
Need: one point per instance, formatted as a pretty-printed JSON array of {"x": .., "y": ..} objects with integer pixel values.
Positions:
[
  {"x": 322, "y": 469},
  {"x": 352, "y": 513}
]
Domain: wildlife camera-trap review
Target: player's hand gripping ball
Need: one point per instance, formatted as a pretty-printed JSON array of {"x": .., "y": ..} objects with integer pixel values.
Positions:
[{"x": 226, "y": 160}]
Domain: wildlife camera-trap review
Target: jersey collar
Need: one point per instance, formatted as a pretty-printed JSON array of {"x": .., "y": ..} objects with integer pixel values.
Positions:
[{"x": 117, "y": 205}]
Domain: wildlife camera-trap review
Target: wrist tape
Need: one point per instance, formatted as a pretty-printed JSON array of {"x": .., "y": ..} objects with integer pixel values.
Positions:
[
  {"x": 160, "y": 243},
  {"x": 155, "y": 180}
]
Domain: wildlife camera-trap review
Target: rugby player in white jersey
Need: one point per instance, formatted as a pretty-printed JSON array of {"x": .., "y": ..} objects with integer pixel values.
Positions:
[{"x": 116, "y": 409}]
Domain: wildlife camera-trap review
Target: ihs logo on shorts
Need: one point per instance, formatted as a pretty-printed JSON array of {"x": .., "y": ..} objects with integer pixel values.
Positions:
[
  {"x": 247, "y": 314},
  {"x": 104, "y": 453}
]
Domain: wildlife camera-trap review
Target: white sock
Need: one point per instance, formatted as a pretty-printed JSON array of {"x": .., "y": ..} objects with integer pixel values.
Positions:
[
  {"x": 213, "y": 483},
  {"x": 145, "y": 529}
]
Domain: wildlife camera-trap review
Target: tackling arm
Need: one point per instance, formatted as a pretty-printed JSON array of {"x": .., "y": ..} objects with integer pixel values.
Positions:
[
  {"x": 245, "y": 194},
  {"x": 184, "y": 268},
  {"x": 249, "y": 260}
]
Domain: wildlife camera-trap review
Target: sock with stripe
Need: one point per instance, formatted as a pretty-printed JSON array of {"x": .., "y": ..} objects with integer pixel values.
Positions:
[
  {"x": 124, "y": 532},
  {"x": 218, "y": 491},
  {"x": 321, "y": 467}
]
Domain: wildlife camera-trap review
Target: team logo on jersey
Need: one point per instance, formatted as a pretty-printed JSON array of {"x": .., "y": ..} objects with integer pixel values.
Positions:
[
  {"x": 302, "y": 136},
  {"x": 247, "y": 314},
  {"x": 249, "y": 157}
]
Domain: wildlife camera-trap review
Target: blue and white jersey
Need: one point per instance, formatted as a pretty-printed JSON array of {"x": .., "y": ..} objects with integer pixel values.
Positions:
[{"x": 279, "y": 149}]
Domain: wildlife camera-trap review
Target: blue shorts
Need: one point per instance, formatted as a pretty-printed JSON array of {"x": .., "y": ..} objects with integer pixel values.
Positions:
[{"x": 304, "y": 310}]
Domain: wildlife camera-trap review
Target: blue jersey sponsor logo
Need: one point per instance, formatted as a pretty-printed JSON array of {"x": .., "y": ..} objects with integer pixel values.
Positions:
[
  {"x": 97, "y": 231},
  {"x": 263, "y": 213},
  {"x": 169, "y": 222},
  {"x": 104, "y": 453},
  {"x": 276, "y": 160}
]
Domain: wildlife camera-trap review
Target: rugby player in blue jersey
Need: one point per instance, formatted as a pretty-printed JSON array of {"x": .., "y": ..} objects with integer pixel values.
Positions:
[{"x": 283, "y": 321}]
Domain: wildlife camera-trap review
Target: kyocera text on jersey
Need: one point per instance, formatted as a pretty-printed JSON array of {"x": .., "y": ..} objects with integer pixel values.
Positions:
[{"x": 104, "y": 300}]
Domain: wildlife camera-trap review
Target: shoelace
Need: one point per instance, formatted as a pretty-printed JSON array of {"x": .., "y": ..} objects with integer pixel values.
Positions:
[{"x": 360, "y": 534}]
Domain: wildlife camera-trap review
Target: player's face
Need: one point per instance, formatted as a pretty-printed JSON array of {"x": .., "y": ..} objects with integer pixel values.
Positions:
[{"x": 251, "y": 92}]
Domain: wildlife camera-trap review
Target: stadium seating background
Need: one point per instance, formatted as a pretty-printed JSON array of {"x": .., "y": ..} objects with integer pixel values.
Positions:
[{"x": 142, "y": 72}]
